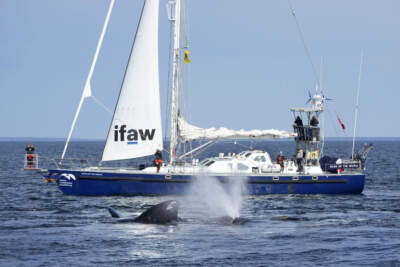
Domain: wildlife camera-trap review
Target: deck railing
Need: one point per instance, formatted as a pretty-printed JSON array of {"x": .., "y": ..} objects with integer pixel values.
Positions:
[
  {"x": 31, "y": 161},
  {"x": 307, "y": 133}
]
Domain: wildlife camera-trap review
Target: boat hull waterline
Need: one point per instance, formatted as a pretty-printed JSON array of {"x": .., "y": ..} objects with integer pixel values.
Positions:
[{"x": 95, "y": 183}]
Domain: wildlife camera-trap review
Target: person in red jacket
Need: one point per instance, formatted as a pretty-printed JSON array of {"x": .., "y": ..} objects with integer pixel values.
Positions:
[
  {"x": 280, "y": 160},
  {"x": 30, "y": 151},
  {"x": 158, "y": 160}
]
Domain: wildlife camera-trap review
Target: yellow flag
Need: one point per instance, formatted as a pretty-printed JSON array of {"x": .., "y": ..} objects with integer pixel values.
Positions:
[{"x": 186, "y": 59}]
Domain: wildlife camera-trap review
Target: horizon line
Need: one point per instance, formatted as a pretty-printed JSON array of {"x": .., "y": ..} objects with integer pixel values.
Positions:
[{"x": 59, "y": 139}]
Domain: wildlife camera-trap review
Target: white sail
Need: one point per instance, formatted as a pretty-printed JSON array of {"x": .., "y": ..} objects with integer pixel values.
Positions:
[
  {"x": 135, "y": 130},
  {"x": 189, "y": 132}
]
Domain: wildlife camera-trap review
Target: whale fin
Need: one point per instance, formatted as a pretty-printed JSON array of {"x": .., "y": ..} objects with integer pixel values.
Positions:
[{"x": 113, "y": 213}]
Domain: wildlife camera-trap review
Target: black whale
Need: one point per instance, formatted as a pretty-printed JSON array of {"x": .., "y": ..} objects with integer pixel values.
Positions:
[
  {"x": 167, "y": 213},
  {"x": 163, "y": 213}
]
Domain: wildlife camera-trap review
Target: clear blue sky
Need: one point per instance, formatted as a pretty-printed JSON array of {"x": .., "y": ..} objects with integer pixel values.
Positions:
[{"x": 248, "y": 63}]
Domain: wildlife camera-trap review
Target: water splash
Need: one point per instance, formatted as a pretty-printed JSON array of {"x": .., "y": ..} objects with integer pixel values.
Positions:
[{"x": 207, "y": 196}]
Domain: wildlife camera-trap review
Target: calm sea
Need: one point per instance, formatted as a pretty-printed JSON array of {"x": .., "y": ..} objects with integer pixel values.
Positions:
[{"x": 41, "y": 227}]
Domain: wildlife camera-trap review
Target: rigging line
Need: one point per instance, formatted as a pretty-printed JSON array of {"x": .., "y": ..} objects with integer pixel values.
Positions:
[
  {"x": 304, "y": 42},
  {"x": 185, "y": 69},
  {"x": 191, "y": 148},
  {"x": 188, "y": 67},
  {"x": 321, "y": 73},
  {"x": 238, "y": 144},
  {"x": 184, "y": 90},
  {"x": 198, "y": 150},
  {"x": 323, "y": 130},
  {"x": 332, "y": 122},
  {"x": 184, "y": 87},
  {"x": 186, "y": 23},
  {"x": 101, "y": 104},
  {"x": 323, "y": 135},
  {"x": 169, "y": 82}
]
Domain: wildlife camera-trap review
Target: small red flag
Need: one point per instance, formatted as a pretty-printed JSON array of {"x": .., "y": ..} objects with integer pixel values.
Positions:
[{"x": 341, "y": 123}]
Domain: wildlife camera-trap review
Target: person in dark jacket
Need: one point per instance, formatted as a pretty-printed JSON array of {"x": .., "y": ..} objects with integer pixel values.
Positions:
[
  {"x": 298, "y": 121},
  {"x": 315, "y": 129},
  {"x": 30, "y": 151},
  {"x": 158, "y": 159},
  {"x": 299, "y": 125},
  {"x": 314, "y": 121}
]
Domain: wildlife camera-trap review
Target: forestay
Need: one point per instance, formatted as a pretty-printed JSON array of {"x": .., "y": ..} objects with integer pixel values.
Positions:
[
  {"x": 189, "y": 132},
  {"x": 135, "y": 130}
]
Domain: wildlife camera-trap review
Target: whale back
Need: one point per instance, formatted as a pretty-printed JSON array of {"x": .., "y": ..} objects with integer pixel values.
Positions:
[{"x": 163, "y": 213}]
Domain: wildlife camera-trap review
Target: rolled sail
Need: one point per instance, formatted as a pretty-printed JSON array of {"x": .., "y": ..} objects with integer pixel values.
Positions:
[
  {"x": 188, "y": 132},
  {"x": 135, "y": 130}
]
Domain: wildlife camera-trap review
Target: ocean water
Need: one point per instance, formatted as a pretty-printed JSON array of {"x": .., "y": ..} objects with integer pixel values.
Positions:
[{"x": 41, "y": 227}]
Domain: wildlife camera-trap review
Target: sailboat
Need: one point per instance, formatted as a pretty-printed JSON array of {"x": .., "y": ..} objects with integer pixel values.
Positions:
[{"x": 136, "y": 131}]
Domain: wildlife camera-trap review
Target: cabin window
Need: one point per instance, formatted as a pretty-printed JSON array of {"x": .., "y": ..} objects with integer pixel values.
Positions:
[
  {"x": 204, "y": 162},
  {"x": 242, "y": 167},
  {"x": 247, "y": 154},
  {"x": 209, "y": 163},
  {"x": 260, "y": 159}
]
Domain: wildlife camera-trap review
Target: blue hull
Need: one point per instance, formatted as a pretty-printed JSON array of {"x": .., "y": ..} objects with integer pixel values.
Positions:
[{"x": 108, "y": 183}]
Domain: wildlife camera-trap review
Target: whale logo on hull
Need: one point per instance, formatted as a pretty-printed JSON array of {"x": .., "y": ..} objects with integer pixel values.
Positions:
[{"x": 68, "y": 176}]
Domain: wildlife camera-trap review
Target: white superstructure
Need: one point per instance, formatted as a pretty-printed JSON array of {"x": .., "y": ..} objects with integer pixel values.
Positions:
[{"x": 249, "y": 162}]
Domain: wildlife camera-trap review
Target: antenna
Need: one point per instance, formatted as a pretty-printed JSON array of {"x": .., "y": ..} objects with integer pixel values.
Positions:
[
  {"x": 304, "y": 42},
  {"x": 320, "y": 73},
  {"x": 356, "y": 108},
  {"x": 323, "y": 114}
]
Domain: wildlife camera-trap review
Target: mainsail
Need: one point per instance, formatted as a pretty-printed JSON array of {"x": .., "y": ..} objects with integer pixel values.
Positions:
[
  {"x": 188, "y": 132},
  {"x": 135, "y": 130}
]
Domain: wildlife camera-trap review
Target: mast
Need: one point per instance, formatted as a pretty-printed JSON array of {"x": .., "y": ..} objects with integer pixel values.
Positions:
[
  {"x": 174, "y": 15},
  {"x": 87, "y": 91},
  {"x": 356, "y": 109}
]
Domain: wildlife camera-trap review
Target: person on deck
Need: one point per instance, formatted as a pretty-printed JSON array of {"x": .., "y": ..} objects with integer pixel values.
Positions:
[
  {"x": 300, "y": 130},
  {"x": 158, "y": 160},
  {"x": 315, "y": 129},
  {"x": 280, "y": 160},
  {"x": 299, "y": 159},
  {"x": 30, "y": 150},
  {"x": 314, "y": 121},
  {"x": 298, "y": 121}
]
